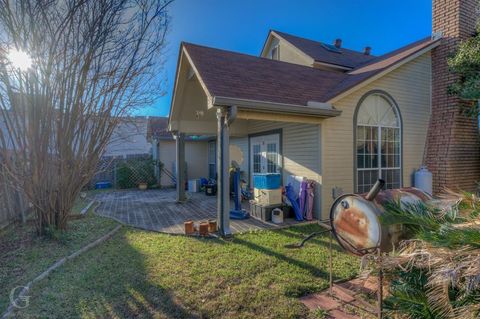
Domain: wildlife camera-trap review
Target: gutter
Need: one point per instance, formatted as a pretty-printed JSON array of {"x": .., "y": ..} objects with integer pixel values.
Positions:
[{"x": 314, "y": 109}]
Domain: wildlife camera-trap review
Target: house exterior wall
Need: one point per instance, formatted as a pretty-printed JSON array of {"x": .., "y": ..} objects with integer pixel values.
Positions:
[
  {"x": 129, "y": 138},
  {"x": 300, "y": 150},
  {"x": 196, "y": 156},
  {"x": 409, "y": 86}
]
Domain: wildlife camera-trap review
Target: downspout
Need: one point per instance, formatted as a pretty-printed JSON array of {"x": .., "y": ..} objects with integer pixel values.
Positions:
[{"x": 231, "y": 115}]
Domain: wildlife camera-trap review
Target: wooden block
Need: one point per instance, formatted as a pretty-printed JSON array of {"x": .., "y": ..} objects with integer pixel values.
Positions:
[
  {"x": 203, "y": 229},
  {"x": 189, "y": 227}
]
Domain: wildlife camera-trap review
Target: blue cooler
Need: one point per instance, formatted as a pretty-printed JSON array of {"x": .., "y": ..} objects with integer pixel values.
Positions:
[
  {"x": 267, "y": 181},
  {"x": 103, "y": 185}
]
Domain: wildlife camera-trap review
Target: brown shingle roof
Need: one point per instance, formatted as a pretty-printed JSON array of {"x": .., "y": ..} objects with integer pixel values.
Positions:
[
  {"x": 378, "y": 65},
  {"x": 240, "y": 76},
  {"x": 236, "y": 75},
  {"x": 346, "y": 58}
]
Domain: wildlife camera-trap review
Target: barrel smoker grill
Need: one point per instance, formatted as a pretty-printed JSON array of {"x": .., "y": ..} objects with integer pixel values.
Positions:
[
  {"x": 354, "y": 219},
  {"x": 354, "y": 223}
]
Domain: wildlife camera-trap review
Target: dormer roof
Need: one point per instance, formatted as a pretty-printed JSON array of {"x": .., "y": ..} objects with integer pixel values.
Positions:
[{"x": 325, "y": 53}]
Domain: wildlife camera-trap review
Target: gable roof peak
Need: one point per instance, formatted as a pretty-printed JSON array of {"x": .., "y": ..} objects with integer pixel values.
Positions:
[{"x": 323, "y": 52}]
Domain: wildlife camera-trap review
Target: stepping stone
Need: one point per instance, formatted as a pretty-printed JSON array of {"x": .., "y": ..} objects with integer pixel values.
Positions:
[
  {"x": 343, "y": 294},
  {"x": 363, "y": 305},
  {"x": 371, "y": 284},
  {"x": 355, "y": 286},
  {"x": 319, "y": 301},
  {"x": 338, "y": 314}
]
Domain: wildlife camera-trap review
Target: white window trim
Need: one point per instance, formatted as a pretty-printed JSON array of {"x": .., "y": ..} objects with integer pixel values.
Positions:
[
  {"x": 275, "y": 48},
  {"x": 379, "y": 167},
  {"x": 274, "y": 137}
]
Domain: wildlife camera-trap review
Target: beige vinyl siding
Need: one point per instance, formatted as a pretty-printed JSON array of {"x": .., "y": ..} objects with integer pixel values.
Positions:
[
  {"x": 196, "y": 156},
  {"x": 287, "y": 52},
  {"x": 409, "y": 86},
  {"x": 300, "y": 149},
  {"x": 290, "y": 55}
]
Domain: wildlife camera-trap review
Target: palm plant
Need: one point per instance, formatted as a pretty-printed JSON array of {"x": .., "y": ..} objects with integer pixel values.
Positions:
[{"x": 436, "y": 274}]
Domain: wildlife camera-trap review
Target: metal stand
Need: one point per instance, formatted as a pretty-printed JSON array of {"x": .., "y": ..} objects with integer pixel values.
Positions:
[
  {"x": 380, "y": 285},
  {"x": 330, "y": 262}
]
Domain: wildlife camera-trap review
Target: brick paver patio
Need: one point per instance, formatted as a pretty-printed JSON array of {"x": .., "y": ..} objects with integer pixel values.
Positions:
[{"x": 158, "y": 210}]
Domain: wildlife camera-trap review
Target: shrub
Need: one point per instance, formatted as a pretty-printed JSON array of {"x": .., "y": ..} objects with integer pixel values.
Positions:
[{"x": 132, "y": 172}]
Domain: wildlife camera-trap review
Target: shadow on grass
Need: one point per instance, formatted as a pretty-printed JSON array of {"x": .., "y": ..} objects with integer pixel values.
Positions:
[
  {"x": 299, "y": 233},
  {"x": 112, "y": 280},
  {"x": 314, "y": 271}
]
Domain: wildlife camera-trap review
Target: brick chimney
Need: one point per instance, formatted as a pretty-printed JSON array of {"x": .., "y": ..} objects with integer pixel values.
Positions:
[{"x": 453, "y": 146}]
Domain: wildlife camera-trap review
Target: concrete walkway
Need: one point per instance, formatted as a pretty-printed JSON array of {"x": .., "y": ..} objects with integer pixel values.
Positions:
[{"x": 158, "y": 210}]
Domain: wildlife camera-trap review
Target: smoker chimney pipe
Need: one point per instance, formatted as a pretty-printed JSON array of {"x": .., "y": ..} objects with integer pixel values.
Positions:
[{"x": 376, "y": 188}]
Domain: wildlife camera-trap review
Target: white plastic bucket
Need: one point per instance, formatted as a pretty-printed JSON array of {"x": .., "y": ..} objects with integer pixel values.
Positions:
[{"x": 277, "y": 216}]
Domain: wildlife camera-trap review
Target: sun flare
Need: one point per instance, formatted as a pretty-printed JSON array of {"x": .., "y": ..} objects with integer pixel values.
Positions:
[{"x": 19, "y": 59}]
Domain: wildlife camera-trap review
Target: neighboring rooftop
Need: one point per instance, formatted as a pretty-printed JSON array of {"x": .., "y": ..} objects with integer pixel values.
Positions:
[
  {"x": 158, "y": 129},
  {"x": 320, "y": 52}
]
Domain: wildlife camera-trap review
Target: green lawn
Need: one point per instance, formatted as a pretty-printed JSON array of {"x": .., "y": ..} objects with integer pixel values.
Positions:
[
  {"x": 145, "y": 274},
  {"x": 23, "y": 255}
]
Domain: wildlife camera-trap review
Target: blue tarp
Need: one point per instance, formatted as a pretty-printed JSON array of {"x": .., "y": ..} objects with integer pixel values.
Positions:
[{"x": 293, "y": 198}]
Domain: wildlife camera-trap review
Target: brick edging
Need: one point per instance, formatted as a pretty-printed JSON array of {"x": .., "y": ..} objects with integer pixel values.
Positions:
[{"x": 9, "y": 311}]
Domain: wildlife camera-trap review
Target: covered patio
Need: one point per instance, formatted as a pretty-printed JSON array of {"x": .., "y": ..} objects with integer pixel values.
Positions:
[
  {"x": 234, "y": 96},
  {"x": 158, "y": 210}
]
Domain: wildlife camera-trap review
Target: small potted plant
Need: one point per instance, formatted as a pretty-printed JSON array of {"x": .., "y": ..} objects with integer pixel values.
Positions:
[{"x": 142, "y": 186}]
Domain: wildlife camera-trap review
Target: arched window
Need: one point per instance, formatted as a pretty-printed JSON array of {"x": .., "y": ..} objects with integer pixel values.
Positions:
[{"x": 378, "y": 143}]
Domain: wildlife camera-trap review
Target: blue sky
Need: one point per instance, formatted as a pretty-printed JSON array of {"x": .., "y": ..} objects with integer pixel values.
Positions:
[{"x": 242, "y": 25}]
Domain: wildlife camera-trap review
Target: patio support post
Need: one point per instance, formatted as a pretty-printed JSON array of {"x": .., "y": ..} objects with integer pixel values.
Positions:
[
  {"x": 180, "y": 166},
  {"x": 223, "y": 172}
]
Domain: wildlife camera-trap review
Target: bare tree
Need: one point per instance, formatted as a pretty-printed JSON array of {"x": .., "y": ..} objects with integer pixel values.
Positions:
[{"x": 93, "y": 62}]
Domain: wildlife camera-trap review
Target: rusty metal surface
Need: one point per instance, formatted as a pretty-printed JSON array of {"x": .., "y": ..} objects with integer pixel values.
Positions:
[
  {"x": 404, "y": 195},
  {"x": 355, "y": 221}
]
